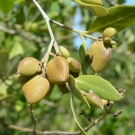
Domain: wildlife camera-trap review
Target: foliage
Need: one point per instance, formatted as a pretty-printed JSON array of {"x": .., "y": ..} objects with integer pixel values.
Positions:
[{"x": 23, "y": 33}]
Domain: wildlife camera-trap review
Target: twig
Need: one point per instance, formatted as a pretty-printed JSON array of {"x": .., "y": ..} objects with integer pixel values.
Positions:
[
  {"x": 46, "y": 57},
  {"x": 34, "y": 119},
  {"x": 74, "y": 30},
  {"x": 98, "y": 120},
  {"x": 6, "y": 30},
  {"x": 46, "y": 18}
]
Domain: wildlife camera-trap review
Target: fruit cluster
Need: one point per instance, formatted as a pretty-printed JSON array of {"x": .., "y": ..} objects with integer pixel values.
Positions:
[
  {"x": 37, "y": 86},
  {"x": 38, "y": 80},
  {"x": 99, "y": 53}
]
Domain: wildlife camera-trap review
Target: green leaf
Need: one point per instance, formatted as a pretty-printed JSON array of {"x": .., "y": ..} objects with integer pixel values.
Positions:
[
  {"x": 95, "y": 9},
  {"x": 74, "y": 115},
  {"x": 12, "y": 65},
  {"x": 6, "y": 5},
  {"x": 4, "y": 56},
  {"x": 82, "y": 55},
  {"x": 99, "y": 86},
  {"x": 75, "y": 91},
  {"x": 54, "y": 9},
  {"x": 16, "y": 50},
  {"x": 118, "y": 42},
  {"x": 119, "y": 17}
]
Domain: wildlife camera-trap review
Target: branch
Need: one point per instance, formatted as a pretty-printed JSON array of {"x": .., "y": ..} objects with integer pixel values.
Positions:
[
  {"x": 28, "y": 130},
  {"x": 46, "y": 18},
  {"x": 6, "y": 30}
]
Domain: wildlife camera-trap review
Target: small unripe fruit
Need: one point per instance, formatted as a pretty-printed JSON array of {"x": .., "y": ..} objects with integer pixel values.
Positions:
[
  {"x": 94, "y": 99},
  {"x": 28, "y": 66},
  {"x": 74, "y": 65},
  {"x": 57, "y": 70},
  {"x": 109, "y": 32},
  {"x": 35, "y": 89},
  {"x": 65, "y": 52},
  {"x": 98, "y": 56}
]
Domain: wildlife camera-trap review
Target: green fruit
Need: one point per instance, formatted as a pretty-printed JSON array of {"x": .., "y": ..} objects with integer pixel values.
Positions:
[
  {"x": 35, "y": 89},
  {"x": 74, "y": 65},
  {"x": 28, "y": 66},
  {"x": 57, "y": 70},
  {"x": 94, "y": 99},
  {"x": 98, "y": 56},
  {"x": 64, "y": 88},
  {"x": 109, "y": 32},
  {"x": 96, "y": 2},
  {"x": 65, "y": 52}
]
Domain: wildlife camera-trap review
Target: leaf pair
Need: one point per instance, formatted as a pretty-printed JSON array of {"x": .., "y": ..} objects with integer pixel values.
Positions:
[{"x": 98, "y": 85}]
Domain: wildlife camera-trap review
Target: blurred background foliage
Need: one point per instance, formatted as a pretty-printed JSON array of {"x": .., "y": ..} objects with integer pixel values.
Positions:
[{"x": 23, "y": 33}]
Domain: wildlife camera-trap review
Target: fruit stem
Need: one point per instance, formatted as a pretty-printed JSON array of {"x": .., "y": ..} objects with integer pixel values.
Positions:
[
  {"x": 46, "y": 56},
  {"x": 47, "y": 19}
]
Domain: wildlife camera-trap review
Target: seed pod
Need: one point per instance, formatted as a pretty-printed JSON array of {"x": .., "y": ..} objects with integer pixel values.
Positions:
[
  {"x": 64, "y": 88},
  {"x": 94, "y": 99},
  {"x": 98, "y": 56},
  {"x": 57, "y": 70},
  {"x": 109, "y": 32},
  {"x": 35, "y": 89},
  {"x": 65, "y": 52},
  {"x": 28, "y": 66},
  {"x": 96, "y": 2},
  {"x": 74, "y": 65}
]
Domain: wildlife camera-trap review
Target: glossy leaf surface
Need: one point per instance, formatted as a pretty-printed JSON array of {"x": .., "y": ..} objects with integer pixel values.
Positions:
[
  {"x": 119, "y": 17},
  {"x": 99, "y": 86},
  {"x": 95, "y": 9}
]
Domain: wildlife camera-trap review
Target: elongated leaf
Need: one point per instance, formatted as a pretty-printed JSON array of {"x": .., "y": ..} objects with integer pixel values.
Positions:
[
  {"x": 119, "y": 17},
  {"x": 99, "y": 86},
  {"x": 6, "y": 5},
  {"x": 74, "y": 115},
  {"x": 95, "y": 9},
  {"x": 75, "y": 91},
  {"x": 82, "y": 55},
  {"x": 4, "y": 56},
  {"x": 12, "y": 65},
  {"x": 16, "y": 50}
]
